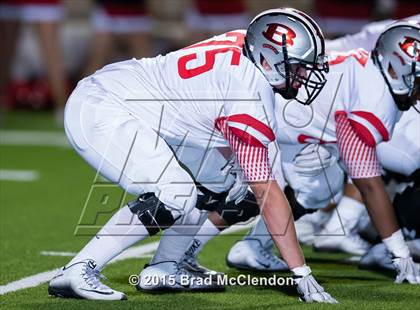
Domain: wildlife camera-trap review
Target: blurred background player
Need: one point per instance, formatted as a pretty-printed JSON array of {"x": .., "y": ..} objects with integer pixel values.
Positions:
[
  {"x": 206, "y": 18},
  {"x": 352, "y": 214},
  {"x": 156, "y": 26},
  {"x": 118, "y": 22},
  {"x": 45, "y": 16},
  {"x": 338, "y": 18},
  {"x": 396, "y": 156},
  {"x": 400, "y": 159}
]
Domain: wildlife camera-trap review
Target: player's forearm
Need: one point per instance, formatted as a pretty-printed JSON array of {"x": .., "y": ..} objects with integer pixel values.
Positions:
[
  {"x": 284, "y": 234},
  {"x": 378, "y": 205},
  {"x": 279, "y": 220},
  {"x": 383, "y": 216}
]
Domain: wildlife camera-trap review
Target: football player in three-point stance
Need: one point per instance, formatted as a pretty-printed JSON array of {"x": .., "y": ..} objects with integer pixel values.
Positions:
[{"x": 125, "y": 120}]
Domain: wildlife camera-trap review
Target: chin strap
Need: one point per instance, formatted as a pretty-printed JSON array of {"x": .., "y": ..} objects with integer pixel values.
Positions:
[
  {"x": 286, "y": 64},
  {"x": 287, "y": 92}
]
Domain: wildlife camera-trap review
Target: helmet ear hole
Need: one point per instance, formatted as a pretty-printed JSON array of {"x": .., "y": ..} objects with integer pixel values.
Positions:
[
  {"x": 264, "y": 63},
  {"x": 392, "y": 72}
]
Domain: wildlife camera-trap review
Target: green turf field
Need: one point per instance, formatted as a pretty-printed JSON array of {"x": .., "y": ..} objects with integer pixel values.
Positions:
[{"x": 41, "y": 215}]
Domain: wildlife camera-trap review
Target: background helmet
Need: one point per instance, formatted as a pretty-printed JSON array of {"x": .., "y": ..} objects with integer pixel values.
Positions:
[
  {"x": 284, "y": 37},
  {"x": 397, "y": 55}
]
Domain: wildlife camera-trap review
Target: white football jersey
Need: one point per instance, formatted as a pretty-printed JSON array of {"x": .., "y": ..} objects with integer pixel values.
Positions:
[
  {"x": 402, "y": 153},
  {"x": 365, "y": 39},
  {"x": 183, "y": 94},
  {"x": 354, "y": 87}
]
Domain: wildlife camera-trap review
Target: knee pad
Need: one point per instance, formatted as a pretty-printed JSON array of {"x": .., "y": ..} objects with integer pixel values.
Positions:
[
  {"x": 242, "y": 212},
  {"x": 209, "y": 201},
  {"x": 152, "y": 213},
  {"x": 297, "y": 209}
]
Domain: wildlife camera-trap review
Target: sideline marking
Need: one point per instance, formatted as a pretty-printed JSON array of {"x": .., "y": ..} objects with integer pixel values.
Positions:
[
  {"x": 33, "y": 137},
  {"x": 54, "y": 253},
  {"x": 72, "y": 254},
  {"x": 19, "y": 175}
]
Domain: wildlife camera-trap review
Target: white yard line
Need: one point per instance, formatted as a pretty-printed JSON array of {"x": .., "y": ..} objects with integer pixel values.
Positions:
[
  {"x": 71, "y": 254},
  {"x": 28, "y": 282},
  {"x": 19, "y": 175},
  {"x": 133, "y": 252},
  {"x": 33, "y": 137},
  {"x": 354, "y": 259},
  {"x": 55, "y": 253}
]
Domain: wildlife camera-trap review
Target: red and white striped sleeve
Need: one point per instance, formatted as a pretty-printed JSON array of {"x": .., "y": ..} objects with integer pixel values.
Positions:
[
  {"x": 248, "y": 138},
  {"x": 357, "y": 152},
  {"x": 369, "y": 127}
]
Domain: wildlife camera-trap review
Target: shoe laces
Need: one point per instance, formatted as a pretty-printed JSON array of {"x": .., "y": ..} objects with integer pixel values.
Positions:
[
  {"x": 191, "y": 260},
  {"x": 181, "y": 271},
  {"x": 266, "y": 253},
  {"x": 93, "y": 277}
]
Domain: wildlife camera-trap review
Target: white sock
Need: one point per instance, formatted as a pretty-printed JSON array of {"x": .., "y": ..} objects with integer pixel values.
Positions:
[
  {"x": 318, "y": 218},
  {"x": 396, "y": 244},
  {"x": 171, "y": 247},
  {"x": 344, "y": 219},
  {"x": 175, "y": 240},
  {"x": 207, "y": 232},
  {"x": 119, "y": 233},
  {"x": 321, "y": 215},
  {"x": 260, "y": 232}
]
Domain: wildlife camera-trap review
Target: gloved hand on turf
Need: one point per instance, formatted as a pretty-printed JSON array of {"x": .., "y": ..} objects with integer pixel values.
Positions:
[
  {"x": 309, "y": 290},
  {"x": 313, "y": 159},
  {"x": 407, "y": 270}
]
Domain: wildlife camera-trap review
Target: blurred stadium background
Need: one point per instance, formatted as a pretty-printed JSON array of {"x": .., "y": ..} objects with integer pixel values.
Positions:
[{"x": 46, "y": 47}]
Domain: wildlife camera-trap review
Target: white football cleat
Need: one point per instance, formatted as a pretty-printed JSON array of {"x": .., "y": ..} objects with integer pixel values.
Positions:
[
  {"x": 82, "y": 280},
  {"x": 377, "y": 257},
  {"x": 189, "y": 262},
  {"x": 169, "y": 276},
  {"x": 309, "y": 226},
  {"x": 249, "y": 254},
  {"x": 351, "y": 243}
]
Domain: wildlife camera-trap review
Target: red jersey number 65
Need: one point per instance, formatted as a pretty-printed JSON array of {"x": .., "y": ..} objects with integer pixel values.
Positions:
[{"x": 210, "y": 55}]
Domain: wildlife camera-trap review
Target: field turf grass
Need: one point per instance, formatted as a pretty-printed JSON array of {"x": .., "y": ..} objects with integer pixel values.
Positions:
[{"x": 42, "y": 216}]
